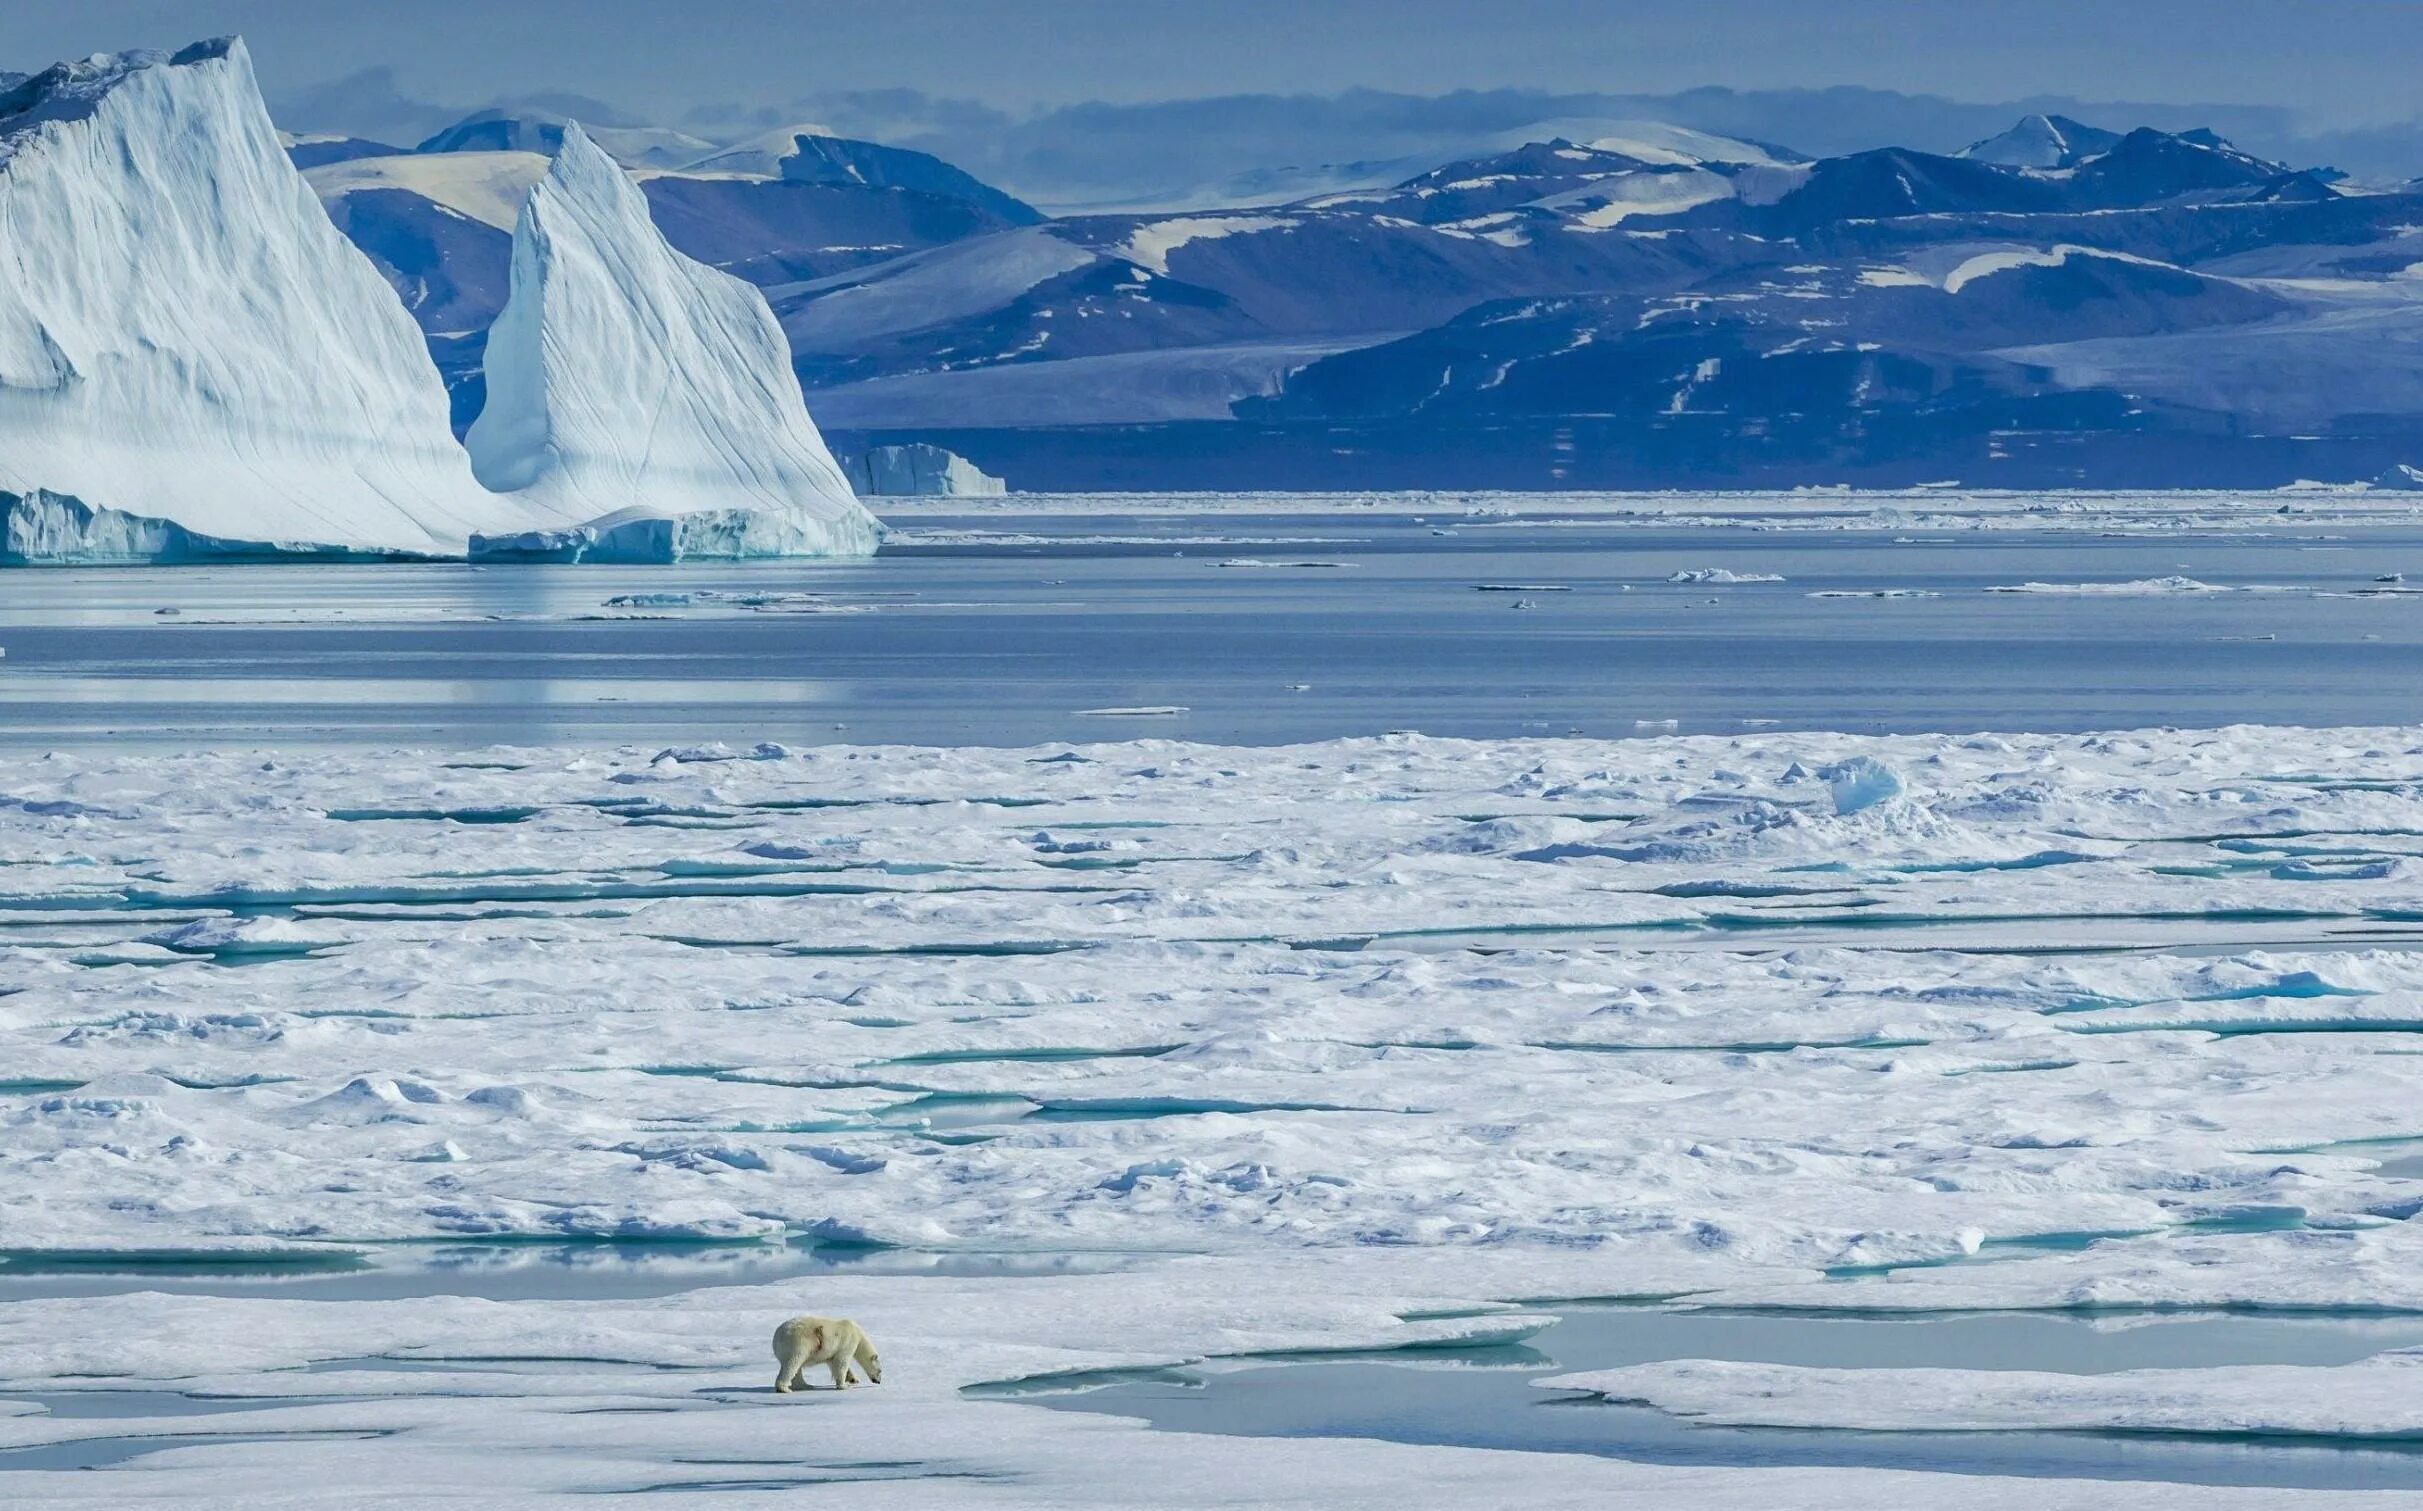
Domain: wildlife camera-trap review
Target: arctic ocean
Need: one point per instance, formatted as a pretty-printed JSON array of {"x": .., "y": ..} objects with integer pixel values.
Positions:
[
  {"x": 1275, "y": 620},
  {"x": 515, "y": 881}
]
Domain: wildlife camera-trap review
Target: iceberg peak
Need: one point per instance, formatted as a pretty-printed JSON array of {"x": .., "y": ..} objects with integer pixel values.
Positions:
[
  {"x": 647, "y": 394},
  {"x": 73, "y": 90},
  {"x": 188, "y": 344}
]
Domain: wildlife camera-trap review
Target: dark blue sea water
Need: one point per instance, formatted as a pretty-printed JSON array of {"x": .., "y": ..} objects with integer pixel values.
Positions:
[{"x": 1010, "y": 643}]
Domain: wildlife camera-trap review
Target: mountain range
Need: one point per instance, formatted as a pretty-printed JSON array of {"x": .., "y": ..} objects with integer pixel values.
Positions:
[{"x": 1621, "y": 303}]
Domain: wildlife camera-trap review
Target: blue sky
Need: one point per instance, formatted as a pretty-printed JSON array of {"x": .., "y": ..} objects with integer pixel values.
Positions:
[{"x": 2342, "y": 62}]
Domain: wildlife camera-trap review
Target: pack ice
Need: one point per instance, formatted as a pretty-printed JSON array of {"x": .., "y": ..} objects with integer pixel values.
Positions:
[{"x": 195, "y": 363}]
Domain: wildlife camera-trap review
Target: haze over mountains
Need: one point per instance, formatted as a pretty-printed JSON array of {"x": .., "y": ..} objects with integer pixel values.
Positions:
[{"x": 1579, "y": 302}]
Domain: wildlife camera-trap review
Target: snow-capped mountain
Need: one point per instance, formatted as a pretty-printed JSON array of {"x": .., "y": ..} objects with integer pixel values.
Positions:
[
  {"x": 1827, "y": 341},
  {"x": 2043, "y": 141},
  {"x": 812, "y": 155},
  {"x": 647, "y": 394},
  {"x": 542, "y": 131},
  {"x": 1461, "y": 283},
  {"x": 2105, "y": 295}
]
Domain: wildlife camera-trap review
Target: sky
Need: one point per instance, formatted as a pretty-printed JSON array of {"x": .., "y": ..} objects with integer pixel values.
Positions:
[{"x": 2337, "y": 63}]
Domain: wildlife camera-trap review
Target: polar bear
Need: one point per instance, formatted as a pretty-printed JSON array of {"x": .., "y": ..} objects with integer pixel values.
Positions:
[{"x": 834, "y": 1342}]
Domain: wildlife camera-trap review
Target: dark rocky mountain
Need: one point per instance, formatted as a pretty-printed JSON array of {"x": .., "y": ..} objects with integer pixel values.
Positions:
[
  {"x": 1621, "y": 305},
  {"x": 800, "y": 155},
  {"x": 320, "y": 151}
]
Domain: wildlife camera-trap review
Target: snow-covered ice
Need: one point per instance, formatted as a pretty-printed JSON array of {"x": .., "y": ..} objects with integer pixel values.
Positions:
[
  {"x": 1374, "y": 1030},
  {"x": 1720, "y": 576},
  {"x": 1934, "y": 511}
]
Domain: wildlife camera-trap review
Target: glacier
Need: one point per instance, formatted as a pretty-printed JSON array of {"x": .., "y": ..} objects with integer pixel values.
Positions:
[
  {"x": 607, "y": 324},
  {"x": 195, "y": 364}
]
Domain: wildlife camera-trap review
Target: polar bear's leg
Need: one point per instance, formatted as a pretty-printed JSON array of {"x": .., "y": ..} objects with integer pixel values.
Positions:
[{"x": 793, "y": 1352}]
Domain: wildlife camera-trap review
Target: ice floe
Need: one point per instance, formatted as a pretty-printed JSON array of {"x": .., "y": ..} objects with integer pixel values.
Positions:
[{"x": 1375, "y": 1030}]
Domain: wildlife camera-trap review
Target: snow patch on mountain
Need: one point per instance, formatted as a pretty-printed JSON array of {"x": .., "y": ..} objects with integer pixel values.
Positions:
[
  {"x": 542, "y": 131},
  {"x": 1151, "y": 244},
  {"x": 1987, "y": 264},
  {"x": 923, "y": 289},
  {"x": 759, "y": 156},
  {"x": 1610, "y": 202},
  {"x": 488, "y": 187},
  {"x": 607, "y": 324},
  {"x": 1658, "y": 142}
]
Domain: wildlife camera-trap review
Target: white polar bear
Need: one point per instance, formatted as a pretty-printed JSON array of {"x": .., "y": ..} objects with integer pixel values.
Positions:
[{"x": 834, "y": 1342}]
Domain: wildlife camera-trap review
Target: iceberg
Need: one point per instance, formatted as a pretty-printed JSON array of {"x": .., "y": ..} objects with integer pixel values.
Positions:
[
  {"x": 919, "y": 469},
  {"x": 647, "y": 395},
  {"x": 193, "y": 359},
  {"x": 196, "y": 365}
]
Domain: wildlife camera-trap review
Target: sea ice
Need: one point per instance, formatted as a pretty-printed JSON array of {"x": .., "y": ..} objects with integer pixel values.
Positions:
[{"x": 1375, "y": 1030}]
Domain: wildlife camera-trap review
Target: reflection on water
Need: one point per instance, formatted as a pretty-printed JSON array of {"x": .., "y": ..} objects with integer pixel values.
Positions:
[
  {"x": 1484, "y": 1397},
  {"x": 1007, "y": 644}
]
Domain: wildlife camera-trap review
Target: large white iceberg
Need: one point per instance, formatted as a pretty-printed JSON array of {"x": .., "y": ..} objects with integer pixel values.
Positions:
[
  {"x": 193, "y": 359},
  {"x": 195, "y": 362},
  {"x": 647, "y": 394}
]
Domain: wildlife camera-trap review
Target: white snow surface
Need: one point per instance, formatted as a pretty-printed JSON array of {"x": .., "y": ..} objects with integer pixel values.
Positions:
[
  {"x": 184, "y": 335},
  {"x": 488, "y": 187},
  {"x": 646, "y": 394},
  {"x": 1151, "y": 243},
  {"x": 1285, "y": 930},
  {"x": 759, "y": 156},
  {"x": 2378, "y": 1397},
  {"x": 1609, "y": 202},
  {"x": 1650, "y": 141},
  {"x": 1721, "y": 576},
  {"x": 922, "y": 289},
  {"x": 1386, "y": 1032},
  {"x": 1987, "y": 264}
]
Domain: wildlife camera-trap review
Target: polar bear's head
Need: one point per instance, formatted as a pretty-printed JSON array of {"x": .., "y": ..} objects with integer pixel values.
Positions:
[{"x": 872, "y": 1363}]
